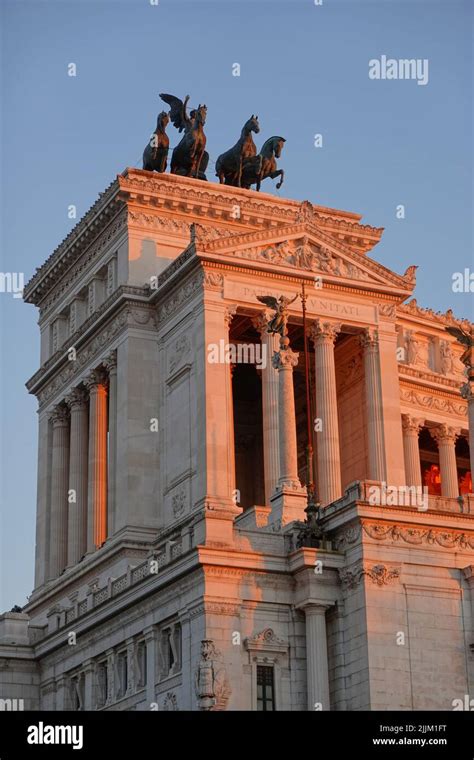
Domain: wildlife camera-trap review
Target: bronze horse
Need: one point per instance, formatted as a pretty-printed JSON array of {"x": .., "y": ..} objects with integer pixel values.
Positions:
[
  {"x": 189, "y": 157},
  {"x": 264, "y": 165},
  {"x": 229, "y": 165},
  {"x": 155, "y": 155}
]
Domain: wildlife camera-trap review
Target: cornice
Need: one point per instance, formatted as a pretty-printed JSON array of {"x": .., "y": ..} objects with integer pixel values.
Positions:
[
  {"x": 429, "y": 317},
  {"x": 96, "y": 218},
  {"x": 105, "y": 324},
  {"x": 427, "y": 378}
]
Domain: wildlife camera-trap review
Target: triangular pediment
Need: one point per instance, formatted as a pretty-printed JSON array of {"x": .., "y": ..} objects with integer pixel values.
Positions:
[{"x": 306, "y": 248}]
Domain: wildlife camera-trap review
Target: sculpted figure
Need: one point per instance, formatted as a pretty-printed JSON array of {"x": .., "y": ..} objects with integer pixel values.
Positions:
[
  {"x": 278, "y": 322},
  {"x": 229, "y": 165},
  {"x": 155, "y": 155},
  {"x": 256, "y": 169},
  {"x": 189, "y": 158}
]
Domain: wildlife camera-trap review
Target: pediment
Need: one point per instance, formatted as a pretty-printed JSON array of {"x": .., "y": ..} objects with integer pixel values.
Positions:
[{"x": 307, "y": 249}]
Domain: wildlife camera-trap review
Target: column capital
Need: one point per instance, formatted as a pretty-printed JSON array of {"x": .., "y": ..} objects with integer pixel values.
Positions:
[
  {"x": 59, "y": 415},
  {"x": 285, "y": 359},
  {"x": 369, "y": 338},
  {"x": 95, "y": 378},
  {"x": 324, "y": 331},
  {"x": 76, "y": 399},
  {"x": 110, "y": 361},
  {"x": 445, "y": 433},
  {"x": 412, "y": 424},
  {"x": 229, "y": 313},
  {"x": 260, "y": 322}
]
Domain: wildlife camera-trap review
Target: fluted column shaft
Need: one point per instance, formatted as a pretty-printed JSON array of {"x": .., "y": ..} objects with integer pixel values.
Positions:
[
  {"x": 59, "y": 491},
  {"x": 411, "y": 429},
  {"x": 467, "y": 392},
  {"x": 97, "y": 470},
  {"x": 228, "y": 317},
  {"x": 317, "y": 657},
  {"x": 78, "y": 464},
  {"x": 284, "y": 361},
  {"x": 329, "y": 459},
  {"x": 111, "y": 366},
  {"x": 271, "y": 442},
  {"x": 446, "y": 436},
  {"x": 373, "y": 393}
]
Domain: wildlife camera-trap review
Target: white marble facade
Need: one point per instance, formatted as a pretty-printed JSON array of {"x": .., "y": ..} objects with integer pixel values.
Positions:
[{"x": 170, "y": 569}]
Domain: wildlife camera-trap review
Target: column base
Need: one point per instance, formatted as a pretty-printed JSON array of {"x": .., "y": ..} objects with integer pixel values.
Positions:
[{"x": 288, "y": 504}]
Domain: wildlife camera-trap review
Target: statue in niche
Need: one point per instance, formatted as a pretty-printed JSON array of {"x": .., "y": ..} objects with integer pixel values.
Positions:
[{"x": 210, "y": 681}]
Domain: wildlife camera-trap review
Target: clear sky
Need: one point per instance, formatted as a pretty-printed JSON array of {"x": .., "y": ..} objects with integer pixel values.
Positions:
[{"x": 304, "y": 71}]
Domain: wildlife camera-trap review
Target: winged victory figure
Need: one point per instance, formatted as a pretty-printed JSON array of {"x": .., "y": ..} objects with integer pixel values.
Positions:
[
  {"x": 278, "y": 322},
  {"x": 189, "y": 157}
]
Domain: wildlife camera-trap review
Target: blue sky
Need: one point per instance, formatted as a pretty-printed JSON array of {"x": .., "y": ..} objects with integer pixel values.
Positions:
[{"x": 304, "y": 70}]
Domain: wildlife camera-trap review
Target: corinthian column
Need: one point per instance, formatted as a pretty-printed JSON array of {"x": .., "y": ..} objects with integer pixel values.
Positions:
[
  {"x": 79, "y": 444},
  {"x": 411, "y": 429},
  {"x": 324, "y": 336},
  {"x": 373, "y": 393},
  {"x": 59, "y": 487},
  {"x": 111, "y": 366},
  {"x": 97, "y": 470},
  {"x": 445, "y": 436},
  {"x": 284, "y": 361},
  {"x": 271, "y": 444},
  {"x": 467, "y": 392}
]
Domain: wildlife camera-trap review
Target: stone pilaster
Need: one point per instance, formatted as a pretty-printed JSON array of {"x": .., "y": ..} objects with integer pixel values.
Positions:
[
  {"x": 111, "y": 366},
  {"x": 78, "y": 463},
  {"x": 324, "y": 336},
  {"x": 411, "y": 429},
  {"x": 150, "y": 643},
  {"x": 317, "y": 657},
  {"x": 373, "y": 393},
  {"x": 271, "y": 442},
  {"x": 97, "y": 468},
  {"x": 59, "y": 491},
  {"x": 445, "y": 436}
]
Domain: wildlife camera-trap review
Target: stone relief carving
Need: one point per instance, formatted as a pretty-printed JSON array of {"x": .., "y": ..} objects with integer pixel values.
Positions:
[
  {"x": 305, "y": 255},
  {"x": 210, "y": 679},
  {"x": 179, "y": 502},
  {"x": 433, "y": 402},
  {"x": 380, "y": 574},
  {"x": 416, "y": 536},
  {"x": 170, "y": 702},
  {"x": 179, "y": 352}
]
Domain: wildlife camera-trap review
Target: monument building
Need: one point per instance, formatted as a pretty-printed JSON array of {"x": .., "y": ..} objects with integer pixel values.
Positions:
[{"x": 180, "y": 562}]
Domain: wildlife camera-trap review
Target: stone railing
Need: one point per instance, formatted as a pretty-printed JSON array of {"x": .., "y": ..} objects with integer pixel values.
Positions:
[{"x": 169, "y": 551}]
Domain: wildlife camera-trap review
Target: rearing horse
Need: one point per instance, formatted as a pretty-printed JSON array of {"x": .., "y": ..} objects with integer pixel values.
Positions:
[
  {"x": 264, "y": 165},
  {"x": 229, "y": 164}
]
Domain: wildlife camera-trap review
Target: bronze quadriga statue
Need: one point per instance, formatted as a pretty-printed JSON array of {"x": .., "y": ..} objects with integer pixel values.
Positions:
[
  {"x": 264, "y": 165},
  {"x": 189, "y": 158},
  {"x": 230, "y": 164},
  {"x": 155, "y": 155}
]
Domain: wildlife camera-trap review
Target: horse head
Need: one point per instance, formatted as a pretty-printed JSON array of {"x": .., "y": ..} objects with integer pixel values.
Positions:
[
  {"x": 199, "y": 115},
  {"x": 163, "y": 120},
  {"x": 252, "y": 125},
  {"x": 273, "y": 146}
]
